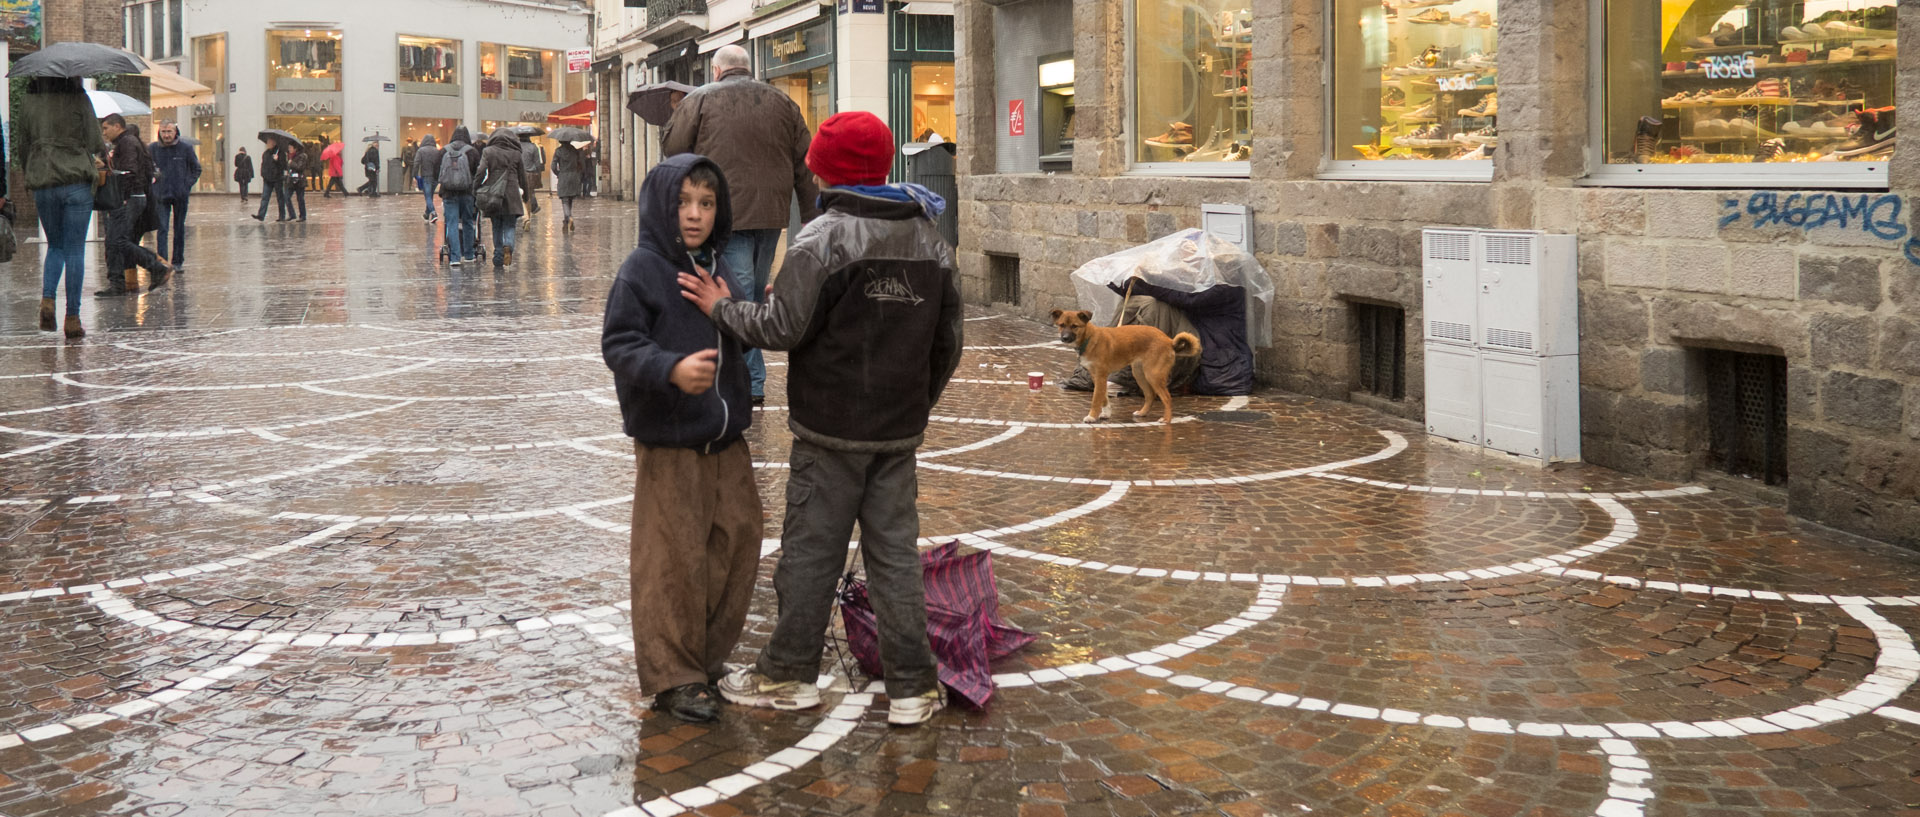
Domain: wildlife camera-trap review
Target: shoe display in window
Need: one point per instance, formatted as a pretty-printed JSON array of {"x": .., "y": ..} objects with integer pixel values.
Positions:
[
  {"x": 1722, "y": 34},
  {"x": 1770, "y": 150},
  {"x": 1793, "y": 34},
  {"x": 1474, "y": 19},
  {"x": 1711, "y": 129},
  {"x": 1841, "y": 54},
  {"x": 1393, "y": 98},
  {"x": 1489, "y": 106},
  {"x": 1432, "y": 17},
  {"x": 1178, "y": 133},
  {"x": 1743, "y": 127},
  {"x": 1485, "y": 136}
]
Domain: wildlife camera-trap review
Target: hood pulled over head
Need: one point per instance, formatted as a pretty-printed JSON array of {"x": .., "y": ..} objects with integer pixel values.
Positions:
[
  {"x": 504, "y": 137},
  {"x": 660, "y": 206},
  {"x": 461, "y": 134},
  {"x": 427, "y": 141}
]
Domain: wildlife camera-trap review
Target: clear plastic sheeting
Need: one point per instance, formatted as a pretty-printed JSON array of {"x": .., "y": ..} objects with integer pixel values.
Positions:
[{"x": 1187, "y": 261}]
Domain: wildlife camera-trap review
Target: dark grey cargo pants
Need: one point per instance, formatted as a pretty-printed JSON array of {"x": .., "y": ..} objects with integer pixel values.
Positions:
[{"x": 827, "y": 491}]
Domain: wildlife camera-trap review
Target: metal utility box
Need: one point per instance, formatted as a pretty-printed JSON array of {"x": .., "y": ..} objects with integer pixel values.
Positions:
[
  {"x": 1531, "y": 405},
  {"x": 1529, "y": 293},
  {"x": 1448, "y": 277},
  {"x": 1453, "y": 392},
  {"x": 1502, "y": 340},
  {"x": 1232, "y": 223}
]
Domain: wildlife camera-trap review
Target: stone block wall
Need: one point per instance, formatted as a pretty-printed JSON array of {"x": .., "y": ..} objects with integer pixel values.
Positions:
[{"x": 1828, "y": 279}]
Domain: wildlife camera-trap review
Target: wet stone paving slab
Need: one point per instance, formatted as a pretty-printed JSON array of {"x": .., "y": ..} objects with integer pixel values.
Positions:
[{"x": 327, "y": 529}]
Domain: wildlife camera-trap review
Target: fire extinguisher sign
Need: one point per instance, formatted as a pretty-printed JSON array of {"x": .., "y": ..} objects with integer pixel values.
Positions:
[{"x": 1017, "y": 117}]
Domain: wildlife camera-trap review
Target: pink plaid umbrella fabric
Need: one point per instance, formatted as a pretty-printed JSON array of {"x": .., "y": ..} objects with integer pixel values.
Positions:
[{"x": 963, "y": 622}]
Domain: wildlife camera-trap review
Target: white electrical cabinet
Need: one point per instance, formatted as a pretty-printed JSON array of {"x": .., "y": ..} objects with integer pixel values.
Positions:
[
  {"x": 1529, "y": 293},
  {"x": 1502, "y": 340},
  {"x": 1449, "y": 277},
  {"x": 1453, "y": 392},
  {"x": 1531, "y": 405}
]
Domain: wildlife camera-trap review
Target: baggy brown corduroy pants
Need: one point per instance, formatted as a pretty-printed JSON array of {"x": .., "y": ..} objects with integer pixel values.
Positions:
[{"x": 695, "y": 551}]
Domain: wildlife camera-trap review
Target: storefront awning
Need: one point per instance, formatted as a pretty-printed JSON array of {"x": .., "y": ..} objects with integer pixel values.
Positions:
[
  {"x": 784, "y": 20},
  {"x": 604, "y": 65},
  {"x": 714, "y": 42},
  {"x": 677, "y": 51},
  {"x": 170, "y": 90},
  {"x": 579, "y": 113}
]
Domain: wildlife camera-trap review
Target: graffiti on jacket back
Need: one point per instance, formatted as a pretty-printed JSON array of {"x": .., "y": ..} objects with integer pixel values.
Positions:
[{"x": 1876, "y": 214}]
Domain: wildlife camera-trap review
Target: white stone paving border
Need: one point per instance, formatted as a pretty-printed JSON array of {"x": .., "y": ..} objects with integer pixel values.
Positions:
[
  {"x": 1395, "y": 445},
  {"x": 1232, "y": 404},
  {"x": 63, "y": 379},
  {"x": 107, "y": 585},
  {"x": 304, "y": 353},
  {"x": 1667, "y": 493},
  {"x": 213, "y": 431},
  {"x": 121, "y": 367},
  {"x": 253, "y": 657},
  {"x": 458, "y": 398}
]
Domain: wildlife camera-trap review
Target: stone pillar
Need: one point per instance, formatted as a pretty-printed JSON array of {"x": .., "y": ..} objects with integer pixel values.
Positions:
[
  {"x": 974, "y": 104},
  {"x": 860, "y": 63},
  {"x": 1545, "y": 95},
  {"x": 1290, "y": 119},
  {"x": 1100, "y": 85}
]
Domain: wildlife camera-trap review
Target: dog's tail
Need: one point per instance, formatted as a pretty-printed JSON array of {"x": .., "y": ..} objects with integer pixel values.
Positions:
[{"x": 1186, "y": 345}]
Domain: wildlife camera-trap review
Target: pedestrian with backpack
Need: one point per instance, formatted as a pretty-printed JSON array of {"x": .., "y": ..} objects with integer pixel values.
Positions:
[
  {"x": 459, "y": 165},
  {"x": 498, "y": 191}
]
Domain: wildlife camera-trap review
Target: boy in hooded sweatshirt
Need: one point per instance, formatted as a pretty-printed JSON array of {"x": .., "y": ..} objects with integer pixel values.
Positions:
[
  {"x": 684, "y": 400},
  {"x": 869, "y": 305}
]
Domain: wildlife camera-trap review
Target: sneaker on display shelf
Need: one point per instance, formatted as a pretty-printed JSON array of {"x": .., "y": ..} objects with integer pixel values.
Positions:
[
  {"x": 1424, "y": 112},
  {"x": 1432, "y": 17},
  {"x": 1876, "y": 132},
  {"x": 1393, "y": 98},
  {"x": 1793, "y": 34},
  {"x": 1743, "y": 128},
  {"x": 1770, "y": 150},
  {"x": 1489, "y": 106},
  {"x": 1841, "y": 54}
]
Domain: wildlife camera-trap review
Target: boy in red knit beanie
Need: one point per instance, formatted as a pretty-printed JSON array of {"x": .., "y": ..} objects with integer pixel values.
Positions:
[{"x": 868, "y": 303}]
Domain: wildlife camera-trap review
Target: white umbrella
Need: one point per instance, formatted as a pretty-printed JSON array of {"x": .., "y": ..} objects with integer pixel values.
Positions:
[{"x": 106, "y": 102}]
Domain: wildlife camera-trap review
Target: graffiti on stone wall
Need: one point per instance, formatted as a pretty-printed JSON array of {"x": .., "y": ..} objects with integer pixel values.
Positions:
[{"x": 1876, "y": 214}]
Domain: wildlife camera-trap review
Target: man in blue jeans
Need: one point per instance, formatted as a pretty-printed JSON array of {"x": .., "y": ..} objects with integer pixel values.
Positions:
[
  {"x": 759, "y": 138},
  {"x": 459, "y": 166},
  {"x": 179, "y": 171}
]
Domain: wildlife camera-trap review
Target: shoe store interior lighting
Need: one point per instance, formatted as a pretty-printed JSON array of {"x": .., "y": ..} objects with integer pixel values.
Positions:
[
  {"x": 1759, "y": 81},
  {"x": 1415, "y": 80},
  {"x": 1193, "y": 79}
]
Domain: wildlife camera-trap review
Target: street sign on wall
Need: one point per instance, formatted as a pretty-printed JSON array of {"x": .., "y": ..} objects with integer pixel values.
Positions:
[
  {"x": 1017, "y": 117},
  {"x": 578, "y": 59}
]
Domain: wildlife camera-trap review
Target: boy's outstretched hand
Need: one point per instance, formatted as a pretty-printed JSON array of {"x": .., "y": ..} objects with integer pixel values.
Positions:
[
  {"x": 694, "y": 373},
  {"x": 703, "y": 290}
]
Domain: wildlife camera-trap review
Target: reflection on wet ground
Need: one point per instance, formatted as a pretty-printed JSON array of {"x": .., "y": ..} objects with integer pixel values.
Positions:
[{"x": 329, "y": 528}]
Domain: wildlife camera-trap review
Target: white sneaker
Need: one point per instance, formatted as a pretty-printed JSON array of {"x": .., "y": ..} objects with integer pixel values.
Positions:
[
  {"x": 1793, "y": 34},
  {"x": 747, "y": 687},
  {"x": 916, "y": 710}
]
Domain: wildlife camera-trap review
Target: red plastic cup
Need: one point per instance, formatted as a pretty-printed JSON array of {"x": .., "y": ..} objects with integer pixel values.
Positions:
[{"x": 1035, "y": 380}]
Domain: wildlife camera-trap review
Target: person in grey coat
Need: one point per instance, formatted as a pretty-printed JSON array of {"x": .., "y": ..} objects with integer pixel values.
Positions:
[
  {"x": 569, "y": 173},
  {"x": 426, "y": 168}
]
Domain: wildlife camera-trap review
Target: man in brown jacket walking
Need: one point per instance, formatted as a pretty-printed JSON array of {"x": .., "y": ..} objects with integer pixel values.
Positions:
[{"x": 758, "y": 137}]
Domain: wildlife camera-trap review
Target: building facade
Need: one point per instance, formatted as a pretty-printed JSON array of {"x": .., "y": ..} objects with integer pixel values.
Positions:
[
  {"x": 353, "y": 69},
  {"x": 889, "y": 58},
  {"x": 1749, "y": 263}
]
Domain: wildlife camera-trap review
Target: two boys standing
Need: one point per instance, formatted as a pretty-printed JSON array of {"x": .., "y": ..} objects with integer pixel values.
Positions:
[{"x": 869, "y": 307}]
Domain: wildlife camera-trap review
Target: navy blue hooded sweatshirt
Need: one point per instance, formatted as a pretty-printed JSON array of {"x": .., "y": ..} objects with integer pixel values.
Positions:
[{"x": 649, "y": 327}]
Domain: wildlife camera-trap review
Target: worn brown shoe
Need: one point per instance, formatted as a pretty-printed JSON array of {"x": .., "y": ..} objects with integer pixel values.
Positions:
[
  {"x": 46, "y": 315},
  {"x": 156, "y": 280},
  {"x": 74, "y": 330}
]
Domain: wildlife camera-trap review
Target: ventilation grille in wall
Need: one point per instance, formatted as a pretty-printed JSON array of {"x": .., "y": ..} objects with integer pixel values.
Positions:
[
  {"x": 1382, "y": 334},
  {"x": 1747, "y": 414}
]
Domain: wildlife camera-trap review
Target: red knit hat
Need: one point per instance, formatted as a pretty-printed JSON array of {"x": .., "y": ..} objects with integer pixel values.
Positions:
[{"x": 852, "y": 147}]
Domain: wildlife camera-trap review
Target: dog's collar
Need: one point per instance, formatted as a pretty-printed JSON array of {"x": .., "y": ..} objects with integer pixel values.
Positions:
[{"x": 1081, "y": 347}]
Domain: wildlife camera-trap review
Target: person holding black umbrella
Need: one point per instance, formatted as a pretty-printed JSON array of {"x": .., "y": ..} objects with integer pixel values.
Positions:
[
  {"x": 133, "y": 167},
  {"x": 299, "y": 166},
  {"x": 58, "y": 143},
  {"x": 243, "y": 172},
  {"x": 370, "y": 162},
  {"x": 273, "y": 171}
]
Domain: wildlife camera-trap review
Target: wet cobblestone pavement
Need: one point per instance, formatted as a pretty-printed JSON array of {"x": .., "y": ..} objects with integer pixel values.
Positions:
[{"x": 326, "y": 529}]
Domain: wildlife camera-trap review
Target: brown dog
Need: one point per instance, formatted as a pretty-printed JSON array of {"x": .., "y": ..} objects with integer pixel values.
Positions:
[{"x": 1102, "y": 350}]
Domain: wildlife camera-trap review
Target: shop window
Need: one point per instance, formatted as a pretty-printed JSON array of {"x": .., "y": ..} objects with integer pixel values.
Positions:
[
  {"x": 932, "y": 102},
  {"x": 175, "y": 27},
  {"x": 211, "y": 134},
  {"x": 1382, "y": 335},
  {"x": 137, "y": 30},
  {"x": 531, "y": 74},
  {"x": 799, "y": 61},
  {"x": 414, "y": 127},
  {"x": 304, "y": 60},
  {"x": 1191, "y": 77},
  {"x": 1413, "y": 80},
  {"x": 210, "y": 62},
  {"x": 157, "y": 26},
  {"x": 1716, "y": 82},
  {"x": 429, "y": 65},
  {"x": 492, "y": 85},
  {"x": 1746, "y": 414}
]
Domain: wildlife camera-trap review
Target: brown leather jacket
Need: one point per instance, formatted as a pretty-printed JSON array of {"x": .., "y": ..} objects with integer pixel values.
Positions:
[{"x": 758, "y": 137}]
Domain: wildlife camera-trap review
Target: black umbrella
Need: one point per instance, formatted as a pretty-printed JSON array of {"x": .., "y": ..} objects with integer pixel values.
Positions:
[
  {"x": 570, "y": 133},
  {"x": 654, "y": 103},
  {"x": 524, "y": 131},
  {"x": 282, "y": 136},
  {"x": 376, "y": 138},
  {"x": 77, "y": 60}
]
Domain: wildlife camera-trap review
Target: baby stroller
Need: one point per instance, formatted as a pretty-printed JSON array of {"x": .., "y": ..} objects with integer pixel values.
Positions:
[{"x": 479, "y": 242}]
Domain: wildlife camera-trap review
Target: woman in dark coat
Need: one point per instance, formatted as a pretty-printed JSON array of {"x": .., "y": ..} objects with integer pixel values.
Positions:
[
  {"x": 569, "y": 173},
  {"x": 243, "y": 172}
]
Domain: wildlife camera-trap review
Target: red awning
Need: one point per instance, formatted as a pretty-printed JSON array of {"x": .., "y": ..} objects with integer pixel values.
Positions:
[{"x": 578, "y": 113}]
